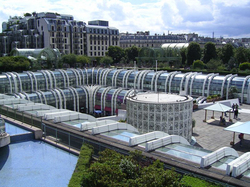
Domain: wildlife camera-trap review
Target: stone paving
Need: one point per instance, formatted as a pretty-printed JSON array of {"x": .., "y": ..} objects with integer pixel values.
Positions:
[{"x": 212, "y": 136}]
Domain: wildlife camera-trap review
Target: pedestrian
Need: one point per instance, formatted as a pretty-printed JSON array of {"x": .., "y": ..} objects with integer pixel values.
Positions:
[
  {"x": 241, "y": 137},
  {"x": 233, "y": 107},
  {"x": 236, "y": 112},
  {"x": 236, "y": 106}
]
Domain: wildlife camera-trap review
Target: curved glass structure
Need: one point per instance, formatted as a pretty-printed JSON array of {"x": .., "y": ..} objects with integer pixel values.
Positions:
[
  {"x": 87, "y": 89},
  {"x": 35, "y": 54}
]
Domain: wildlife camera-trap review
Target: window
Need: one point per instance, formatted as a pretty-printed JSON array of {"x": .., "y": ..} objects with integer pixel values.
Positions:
[{"x": 65, "y": 40}]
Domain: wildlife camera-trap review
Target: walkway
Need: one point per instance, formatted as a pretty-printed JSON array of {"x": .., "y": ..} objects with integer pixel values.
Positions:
[{"x": 211, "y": 136}]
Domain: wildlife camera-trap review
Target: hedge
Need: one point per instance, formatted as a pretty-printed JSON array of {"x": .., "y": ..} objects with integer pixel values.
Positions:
[{"x": 82, "y": 166}]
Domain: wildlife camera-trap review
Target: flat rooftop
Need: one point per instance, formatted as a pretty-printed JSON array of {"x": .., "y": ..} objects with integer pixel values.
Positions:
[{"x": 159, "y": 98}]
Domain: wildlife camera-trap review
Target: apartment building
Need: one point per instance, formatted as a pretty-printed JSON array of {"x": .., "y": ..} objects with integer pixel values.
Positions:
[
  {"x": 99, "y": 37},
  {"x": 61, "y": 31},
  {"x": 144, "y": 39}
]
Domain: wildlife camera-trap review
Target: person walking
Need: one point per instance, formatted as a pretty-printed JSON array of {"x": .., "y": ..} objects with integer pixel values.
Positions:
[
  {"x": 236, "y": 112},
  {"x": 233, "y": 107}
]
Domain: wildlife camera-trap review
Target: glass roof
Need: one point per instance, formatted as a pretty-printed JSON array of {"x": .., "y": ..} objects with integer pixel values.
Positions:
[
  {"x": 186, "y": 152},
  {"x": 123, "y": 135}
]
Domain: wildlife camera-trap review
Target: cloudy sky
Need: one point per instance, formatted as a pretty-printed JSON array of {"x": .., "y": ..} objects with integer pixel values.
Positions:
[{"x": 227, "y": 18}]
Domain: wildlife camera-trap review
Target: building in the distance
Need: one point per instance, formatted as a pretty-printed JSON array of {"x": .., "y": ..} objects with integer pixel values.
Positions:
[
  {"x": 61, "y": 31},
  {"x": 144, "y": 39},
  {"x": 99, "y": 36}
]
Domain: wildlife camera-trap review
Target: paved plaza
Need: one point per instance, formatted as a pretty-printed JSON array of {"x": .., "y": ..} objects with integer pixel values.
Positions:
[{"x": 212, "y": 136}]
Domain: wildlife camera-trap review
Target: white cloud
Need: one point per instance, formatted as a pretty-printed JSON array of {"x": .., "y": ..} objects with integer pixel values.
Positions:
[{"x": 224, "y": 17}]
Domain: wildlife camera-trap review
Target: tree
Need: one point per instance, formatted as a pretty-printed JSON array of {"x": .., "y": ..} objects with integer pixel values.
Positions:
[
  {"x": 209, "y": 52},
  {"x": 82, "y": 60},
  {"x": 226, "y": 53},
  {"x": 14, "y": 63},
  {"x": 106, "y": 61},
  {"x": 244, "y": 66},
  {"x": 193, "y": 53},
  {"x": 27, "y": 14},
  {"x": 241, "y": 55},
  {"x": 69, "y": 59},
  {"x": 116, "y": 53},
  {"x": 198, "y": 64},
  {"x": 132, "y": 53},
  {"x": 231, "y": 63},
  {"x": 183, "y": 53},
  {"x": 214, "y": 64}
]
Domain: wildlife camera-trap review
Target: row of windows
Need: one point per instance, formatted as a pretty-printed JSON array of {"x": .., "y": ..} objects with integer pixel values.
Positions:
[
  {"x": 103, "y": 31},
  {"x": 98, "y": 48},
  {"x": 96, "y": 53}
]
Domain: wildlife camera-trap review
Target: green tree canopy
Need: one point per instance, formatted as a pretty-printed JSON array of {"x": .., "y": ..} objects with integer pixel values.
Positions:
[
  {"x": 215, "y": 64},
  {"x": 132, "y": 53},
  {"x": 183, "y": 52},
  {"x": 226, "y": 53},
  {"x": 69, "y": 59},
  {"x": 193, "y": 53},
  {"x": 198, "y": 64},
  {"x": 106, "y": 61},
  {"x": 116, "y": 53},
  {"x": 244, "y": 66},
  {"x": 82, "y": 60},
  {"x": 209, "y": 52},
  {"x": 14, "y": 63},
  {"x": 241, "y": 55}
]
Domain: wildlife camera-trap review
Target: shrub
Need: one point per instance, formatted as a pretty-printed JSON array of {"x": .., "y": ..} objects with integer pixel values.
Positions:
[
  {"x": 244, "y": 66},
  {"x": 196, "y": 182},
  {"x": 81, "y": 173},
  {"x": 198, "y": 64}
]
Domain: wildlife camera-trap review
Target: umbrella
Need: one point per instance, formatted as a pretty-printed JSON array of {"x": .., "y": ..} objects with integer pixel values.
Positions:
[{"x": 240, "y": 127}]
